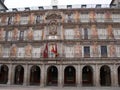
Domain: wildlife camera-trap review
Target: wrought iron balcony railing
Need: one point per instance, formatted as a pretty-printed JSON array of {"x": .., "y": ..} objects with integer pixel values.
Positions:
[{"x": 41, "y": 56}]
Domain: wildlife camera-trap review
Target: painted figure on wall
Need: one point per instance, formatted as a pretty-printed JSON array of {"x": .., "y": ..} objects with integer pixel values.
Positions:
[
  {"x": 13, "y": 50},
  {"x": 110, "y": 32},
  {"x": 30, "y": 34},
  {"x": 15, "y": 34},
  {"x": 28, "y": 50},
  {"x": 77, "y": 32},
  {"x": 1, "y": 50},
  {"x": 1, "y": 34},
  {"x": 53, "y": 27},
  {"x": 92, "y": 16},
  {"x": 108, "y": 16},
  {"x": 94, "y": 32},
  {"x": 31, "y": 18},
  {"x": 17, "y": 19},
  {"x": 112, "y": 51},
  {"x": 95, "y": 50},
  {"x": 78, "y": 50},
  {"x": 3, "y": 20}
]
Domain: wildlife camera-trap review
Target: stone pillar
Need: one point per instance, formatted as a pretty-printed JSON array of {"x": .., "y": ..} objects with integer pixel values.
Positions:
[
  {"x": 115, "y": 76},
  {"x": 112, "y": 75},
  {"x": 28, "y": 75},
  {"x": 42, "y": 78},
  {"x": 25, "y": 75},
  {"x": 97, "y": 76},
  {"x": 10, "y": 74},
  {"x": 60, "y": 76},
  {"x": 79, "y": 74}
]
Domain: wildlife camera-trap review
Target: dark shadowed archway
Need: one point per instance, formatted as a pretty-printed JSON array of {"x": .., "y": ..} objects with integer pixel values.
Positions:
[
  {"x": 3, "y": 74},
  {"x": 105, "y": 76},
  {"x": 52, "y": 75},
  {"x": 19, "y": 75}
]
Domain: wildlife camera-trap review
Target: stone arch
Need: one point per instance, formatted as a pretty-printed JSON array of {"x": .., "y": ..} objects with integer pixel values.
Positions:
[
  {"x": 105, "y": 75},
  {"x": 19, "y": 75},
  {"x": 87, "y": 76},
  {"x": 118, "y": 75},
  {"x": 35, "y": 75},
  {"x": 69, "y": 75},
  {"x": 52, "y": 75},
  {"x": 4, "y": 74}
]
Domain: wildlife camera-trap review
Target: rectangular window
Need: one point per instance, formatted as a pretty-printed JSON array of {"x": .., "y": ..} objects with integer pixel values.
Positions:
[
  {"x": 24, "y": 20},
  {"x": 21, "y": 35},
  {"x": 86, "y": 51},
  {"x": 85, "y": 33},
  {"x": 103, "y": 51}
]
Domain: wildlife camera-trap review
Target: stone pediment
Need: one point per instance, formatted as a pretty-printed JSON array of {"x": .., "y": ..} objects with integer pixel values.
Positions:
[{"x": 53, "y": 15}]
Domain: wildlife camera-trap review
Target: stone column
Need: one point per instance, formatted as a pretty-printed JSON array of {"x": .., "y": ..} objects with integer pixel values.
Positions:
[
  {"x": 112, "y": 75},
  {"x": 10, "y": 74},
  {"x": 97, "y": 76},
  {"x": 79, "y": 74},
  {"x": 25, "y": 75},
  {"x": 115, "y": 76},
  {"x": 28, "y": 75},
  {"x": 60, "y": 76},
  {"x": 42, "y": 78}
]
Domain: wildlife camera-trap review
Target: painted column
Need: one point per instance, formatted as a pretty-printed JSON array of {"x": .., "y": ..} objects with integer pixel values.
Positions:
[
  {"x": 10, "y": 74},
  {"x": 112, "y": 75},
  {"x": 115, "y": 75},
  {"x": 25, "y": 75}
]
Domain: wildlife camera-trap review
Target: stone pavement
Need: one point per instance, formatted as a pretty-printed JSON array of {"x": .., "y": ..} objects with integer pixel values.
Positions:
[{"x": 56, "y": 88}]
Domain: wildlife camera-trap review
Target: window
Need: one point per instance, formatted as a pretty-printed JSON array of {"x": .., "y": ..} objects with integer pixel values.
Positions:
[
  {"x": 69, "y": 34},
  {"x": 103, "y": 51},
  {"x": 116, "y": 33},
  {"x": 21, "y": 35},
  {"x": 36, "y": 52},
  {"x": 102, "y": 33},
  {"x": 39, "y": 19},
  {"x": 10, "y": 20},
  {"x": 37, "y": 34},
  {"x": 69, "y": 51},
  {"x": 83, "y": 6},
  {"x": 86, "y": 51},
  {"x": 24, "y": 20},
  {"x": 21, "y": 52},
  {"x": 6, "y": 52},
  {"x": 118, "y": 50}
]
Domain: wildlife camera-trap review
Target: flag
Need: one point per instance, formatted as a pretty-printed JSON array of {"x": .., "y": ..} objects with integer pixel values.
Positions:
[
  {"x": 45, "y": 53},
  {"x": 54, "y": 50}
]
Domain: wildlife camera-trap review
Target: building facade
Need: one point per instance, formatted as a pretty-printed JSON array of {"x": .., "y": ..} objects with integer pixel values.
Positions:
[{"x": 62, "y": 47}]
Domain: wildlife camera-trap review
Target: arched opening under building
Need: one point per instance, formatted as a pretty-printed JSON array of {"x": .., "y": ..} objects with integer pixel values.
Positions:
[
  {"x": 69, "y": 75},
  {"x": 119, "y": 75},
  {"x": 19, "y": 75},
  {"x": 87, "y": 76},
  {"x": 52, "y": 75},
  {"x": 3, "y": 74},
  {"x": 105, "y": 76},
  {"x": 35, "y": 74}
]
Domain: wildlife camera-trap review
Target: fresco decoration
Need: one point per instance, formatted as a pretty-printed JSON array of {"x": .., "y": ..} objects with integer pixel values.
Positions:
[
  {"x": 3, "y": 20},
  {"x": 112, "y": 51},
  {"x": 108, "y": 15},
  {"x": 17, "y": 19},
  {"x": 30, "y": 34},
  {"x": 110, "y": 32},
  {"x": 28, "y": 50},
  {"x": 95, "y": 49},
  {"x": 92, "y": 16},
  {"x": 31, "y": 18},
  {"x": 77, "y": 33},
  {"x": 94, "y": 32},
  {"x": 15, "y": 33},
  {"x": 78, "y": 50},
  {"x": 1, "y": 34},
  {"x": 13, "y": 50},
  {"x": 1, "y": 50},
  {"x": 53, "y": 27}
]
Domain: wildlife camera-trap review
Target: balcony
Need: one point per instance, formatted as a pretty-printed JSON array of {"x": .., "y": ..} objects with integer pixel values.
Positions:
[{"x": 60, "y": 57}]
